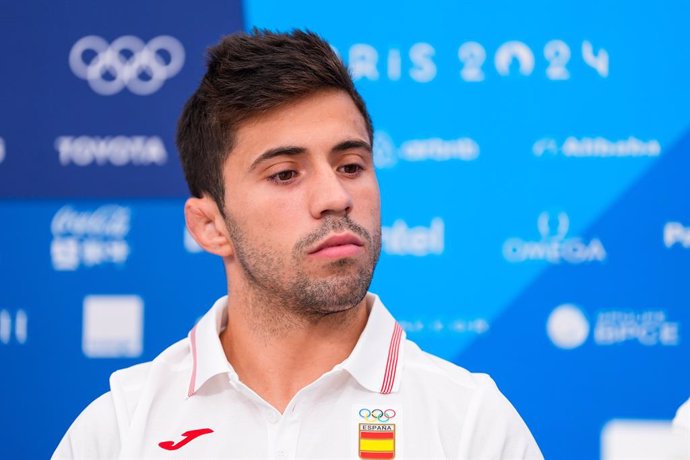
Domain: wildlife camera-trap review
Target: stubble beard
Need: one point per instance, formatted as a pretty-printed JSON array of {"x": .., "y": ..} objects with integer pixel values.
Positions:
[{"x": 281, "y": 284}]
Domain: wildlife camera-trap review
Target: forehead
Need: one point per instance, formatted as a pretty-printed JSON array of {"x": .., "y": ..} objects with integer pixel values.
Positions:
[{"x": 314, "y": 122}]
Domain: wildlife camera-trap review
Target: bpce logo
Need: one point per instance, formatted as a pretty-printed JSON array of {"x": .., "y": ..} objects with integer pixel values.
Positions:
[{"x": 127, "y": 62}]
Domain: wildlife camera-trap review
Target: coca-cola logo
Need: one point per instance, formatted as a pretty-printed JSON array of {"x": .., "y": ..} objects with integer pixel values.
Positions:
[
  {"x": 90, "y": 238},
  {"x": 111, "y": 220}
]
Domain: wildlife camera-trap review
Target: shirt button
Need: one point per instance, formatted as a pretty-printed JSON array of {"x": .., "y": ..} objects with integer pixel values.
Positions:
[
  {"x": 272, "y": 417},
  {"x": 281, "y": 454}
]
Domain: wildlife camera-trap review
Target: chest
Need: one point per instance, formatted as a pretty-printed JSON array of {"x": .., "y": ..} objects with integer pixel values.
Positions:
[{"x": 338, "y": 425}]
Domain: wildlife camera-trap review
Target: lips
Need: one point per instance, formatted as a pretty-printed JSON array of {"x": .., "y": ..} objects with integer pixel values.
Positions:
[{"x": 338, "y": 245}]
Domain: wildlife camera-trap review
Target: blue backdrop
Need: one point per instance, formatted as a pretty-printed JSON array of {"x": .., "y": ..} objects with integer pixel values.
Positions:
[{"x": 533, "y": 163}]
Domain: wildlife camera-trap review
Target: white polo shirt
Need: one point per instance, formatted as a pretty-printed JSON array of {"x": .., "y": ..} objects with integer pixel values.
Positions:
[
  {"x": 388, "y": 399},
  {"x": 682, "y": 418}
]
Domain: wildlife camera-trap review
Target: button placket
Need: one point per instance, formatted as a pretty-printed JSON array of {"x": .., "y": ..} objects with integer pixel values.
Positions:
[
  {"x": 272, "y": 416},
  {"x": 287, "y": 436}
]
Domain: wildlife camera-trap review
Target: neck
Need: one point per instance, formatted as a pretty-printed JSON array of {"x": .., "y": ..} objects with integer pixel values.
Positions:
[{"x": 276, "y": 351}]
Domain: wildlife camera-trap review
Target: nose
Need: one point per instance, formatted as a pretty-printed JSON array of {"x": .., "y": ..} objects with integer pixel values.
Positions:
[{"x": 329, "y": 195}]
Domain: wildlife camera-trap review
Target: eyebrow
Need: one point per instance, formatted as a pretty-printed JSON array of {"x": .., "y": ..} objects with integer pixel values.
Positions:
[
  {"x": 351, "y": 144},
  {"x": 290, "y": 150},
  {"x": 275, "y": 152}
]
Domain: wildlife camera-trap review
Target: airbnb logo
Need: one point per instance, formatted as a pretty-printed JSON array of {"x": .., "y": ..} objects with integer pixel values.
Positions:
[{"x": 187, "y": 436}]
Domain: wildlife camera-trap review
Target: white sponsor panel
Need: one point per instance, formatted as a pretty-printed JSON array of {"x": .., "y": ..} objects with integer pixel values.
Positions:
[
  {"x": 418, "y": 63},
  {"x": 387, "y": 154},
  {"x": 14, "y": 327},
  {"x": 111, "y": 150},
  {"x": 554, "y": 246},
  {"x": 568, "y": 327},
  {"x": 113, "y": 326},
  {"x": 2, "y": 150},
  {"x": 643, "y": 440},
  {"x": 597, "y": 147},
  {"x": 127, "y": 62},
  {"x": 676, "y": 233},
  {"x": 88, "y": 238},
  {"x": 400, "y": 239}
]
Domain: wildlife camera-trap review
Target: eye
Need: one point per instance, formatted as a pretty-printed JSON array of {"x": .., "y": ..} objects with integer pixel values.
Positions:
[
  {"x": 283, "y": 177},
  {"x": 351, "y": 169}
]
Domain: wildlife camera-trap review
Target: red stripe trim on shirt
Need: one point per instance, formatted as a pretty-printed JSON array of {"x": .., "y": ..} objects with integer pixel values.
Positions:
[
  {"x": 392, "y": 363},
  {"x": 370, "y": 454},
  {"x": 377, "y": 435},
  {"x": 192, "y": 381}
]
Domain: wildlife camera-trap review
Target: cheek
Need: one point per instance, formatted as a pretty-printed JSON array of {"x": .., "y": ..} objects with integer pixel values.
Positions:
[
  {"x": 274, "y": 220},
  {"x": 369, "y": 202}
]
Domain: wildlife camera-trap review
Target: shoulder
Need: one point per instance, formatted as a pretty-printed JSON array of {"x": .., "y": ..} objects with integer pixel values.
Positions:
[
  {"x": 100, "y": 428},
  {"x": 94, "y": 434},
  {"x": 491, "y": 427},
  {"x": 682, "y": 418},
  {"x": 438, "y": 372},
  {"x": 473, "y": 394},
  {"x": 130, "y": 380},
  {"x": 128, "y": 386}
]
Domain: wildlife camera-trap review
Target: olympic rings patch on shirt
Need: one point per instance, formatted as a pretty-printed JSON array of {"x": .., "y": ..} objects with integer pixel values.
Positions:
[{"x": 377, "y": 415}]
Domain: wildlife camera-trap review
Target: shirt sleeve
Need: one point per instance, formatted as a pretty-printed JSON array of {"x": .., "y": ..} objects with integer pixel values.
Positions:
[
  {"x": 494, "y": 429},
  {"x": 682, "y": 419},
  {"x": 93, "y": 435}
]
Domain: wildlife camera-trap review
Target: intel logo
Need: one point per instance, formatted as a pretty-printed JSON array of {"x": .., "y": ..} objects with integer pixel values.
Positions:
[{"x": 403, "y": 240}]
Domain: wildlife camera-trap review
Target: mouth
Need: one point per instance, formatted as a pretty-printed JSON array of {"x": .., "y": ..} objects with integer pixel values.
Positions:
[{"x": 338, "y": 246}]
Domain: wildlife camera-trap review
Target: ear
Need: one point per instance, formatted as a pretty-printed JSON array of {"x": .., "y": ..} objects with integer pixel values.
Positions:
[{"x": 207, "y": 226}]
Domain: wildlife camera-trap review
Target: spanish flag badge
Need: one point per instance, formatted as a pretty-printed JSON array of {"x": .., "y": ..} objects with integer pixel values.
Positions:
[{"x": 376, "y": 440}]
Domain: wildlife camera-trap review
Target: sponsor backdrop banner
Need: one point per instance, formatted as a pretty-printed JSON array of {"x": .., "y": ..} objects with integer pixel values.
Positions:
[
  {"x": 533, "y": 167},
  {"x": 91, "y": 93}
]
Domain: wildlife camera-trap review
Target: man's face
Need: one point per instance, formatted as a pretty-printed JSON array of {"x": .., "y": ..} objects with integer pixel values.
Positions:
[{"x": 302, "y": 205}]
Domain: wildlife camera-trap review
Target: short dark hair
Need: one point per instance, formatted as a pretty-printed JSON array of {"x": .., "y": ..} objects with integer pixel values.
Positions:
[{"x": 250, "y": 74}]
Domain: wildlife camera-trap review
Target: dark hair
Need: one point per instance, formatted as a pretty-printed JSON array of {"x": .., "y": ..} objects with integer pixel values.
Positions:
[{"x": 250, "y": 74}]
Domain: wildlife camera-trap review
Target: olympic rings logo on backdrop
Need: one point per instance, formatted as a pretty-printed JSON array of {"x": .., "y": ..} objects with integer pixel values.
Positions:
[
  {"x": 377, "y": 415},
  {"x": 127, "y": 62}
]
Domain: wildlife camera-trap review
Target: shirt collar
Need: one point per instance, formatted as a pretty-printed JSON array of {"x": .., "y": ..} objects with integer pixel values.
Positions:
[
  {"x": 208, "y": 357},
  {"x": 375, "y": 362},
  {"x": 377, "y": 358}
]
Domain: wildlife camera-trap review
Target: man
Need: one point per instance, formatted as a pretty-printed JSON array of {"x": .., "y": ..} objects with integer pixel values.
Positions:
[{"x": 298, "y": 361}]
